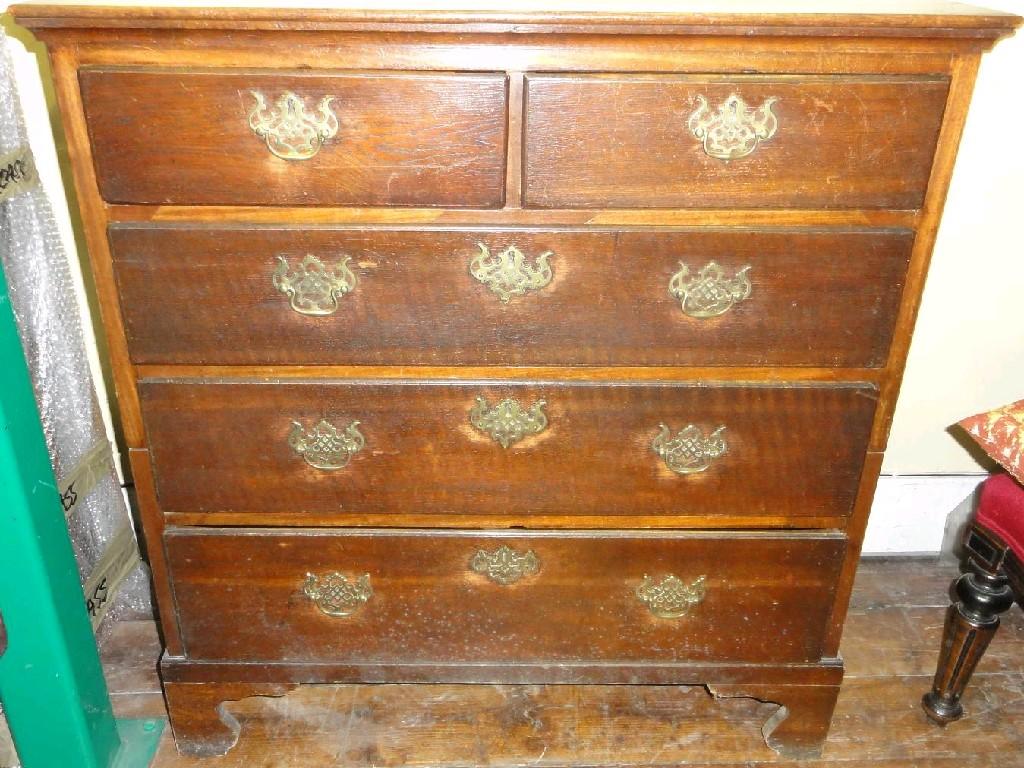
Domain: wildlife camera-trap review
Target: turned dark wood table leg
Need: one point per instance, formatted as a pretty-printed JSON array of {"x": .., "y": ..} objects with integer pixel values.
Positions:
[{"x": 970, "y": 626}]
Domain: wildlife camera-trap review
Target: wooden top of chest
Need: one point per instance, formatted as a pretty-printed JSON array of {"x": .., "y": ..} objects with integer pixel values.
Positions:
[{"x": 792, "y": 18}]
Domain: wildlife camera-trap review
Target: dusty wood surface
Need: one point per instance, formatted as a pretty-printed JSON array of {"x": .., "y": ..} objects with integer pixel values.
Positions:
[
  {"x": 415, "y": 301},
  {"x": 852, "y": 18},
  {"x": 890, "y": 647},
  {"x": 400, "y": 155},
  {"x": 391, "y": 150},
  {"x": 89, "y": 61},
  {"x": 423, "y": 453},
  {"x": 642, "y": 164},
  {"x": 427, "y": 598}
]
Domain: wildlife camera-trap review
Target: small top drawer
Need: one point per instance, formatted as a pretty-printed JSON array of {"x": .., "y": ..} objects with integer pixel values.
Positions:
[
  {"x": 291, "y": 138},
  {"x": 663, "y": 141}
]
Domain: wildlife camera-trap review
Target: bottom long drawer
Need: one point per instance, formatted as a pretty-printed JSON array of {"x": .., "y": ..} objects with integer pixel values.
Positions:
[{"x": 365, "y": 596}]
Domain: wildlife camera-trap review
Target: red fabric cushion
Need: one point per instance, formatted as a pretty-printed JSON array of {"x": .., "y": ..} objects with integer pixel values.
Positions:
[
  {"x": 1001, "y": 510},
  {"x": 1000, "y": 433}
]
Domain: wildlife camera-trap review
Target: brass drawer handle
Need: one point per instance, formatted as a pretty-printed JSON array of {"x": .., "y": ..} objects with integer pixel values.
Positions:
[
  {"x": 291, "y": 131},
  {"x": 507, "y": 274},
  {"x": 671, "y": 598},
  {"x": 313, "y": 288},
  {"x": 690, "y": 450},
  {"x": 508, "y": 422},
  {"x": 504, "y": 565},
  {"x": 733, "y": 130},
  {"x": 710, "y": 292},
  {"x": 325, "y": 446},
  {"x": 335, "y": 594}
]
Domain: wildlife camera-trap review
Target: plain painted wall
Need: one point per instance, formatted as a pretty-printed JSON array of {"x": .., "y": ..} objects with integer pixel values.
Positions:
[{"x": 968, "y": 349}]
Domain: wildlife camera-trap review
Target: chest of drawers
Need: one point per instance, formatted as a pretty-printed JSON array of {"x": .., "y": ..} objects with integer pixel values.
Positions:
[{"x": 508, "y": 347}]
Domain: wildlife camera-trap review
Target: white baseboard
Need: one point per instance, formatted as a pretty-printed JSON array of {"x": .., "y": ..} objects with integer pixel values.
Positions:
[{"x": 910, "y": 512}]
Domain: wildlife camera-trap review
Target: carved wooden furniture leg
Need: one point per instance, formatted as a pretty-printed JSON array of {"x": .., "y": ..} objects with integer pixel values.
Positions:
[
  {"x": 202, "y": 726},
  {"x": 984, "y": 593},
  {"x": 800, "y": 726}
]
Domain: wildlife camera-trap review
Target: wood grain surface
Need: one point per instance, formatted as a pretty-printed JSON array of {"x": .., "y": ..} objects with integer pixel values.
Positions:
[
  {"x": 840, "y": 143},
  {"x": 890, "y": 648},
  {"x": 428, "y": 604},
  {"x": 933, "y": 19},
  {"x": 179, "y": 136},
  {"x": 509, "y": 216},
  {"x": 590, "y": 139},
  {"x": 792, "y": 450},
  {"x": 817, "y": 298},
  {"x": 476, "y": 51}
]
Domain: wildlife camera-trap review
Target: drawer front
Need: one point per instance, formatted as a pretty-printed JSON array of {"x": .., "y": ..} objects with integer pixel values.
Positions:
[
  {"x": 182, "y": 137},
  {"x": 676, "y": 141},
  {"x": 417, "y": 596},
  {"x": 245, "y": 296},
  {"x": 507, "y": 448}
]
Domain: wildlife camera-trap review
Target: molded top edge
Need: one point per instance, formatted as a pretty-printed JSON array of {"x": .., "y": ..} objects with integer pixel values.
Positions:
[{"x": 792, "y": 17}]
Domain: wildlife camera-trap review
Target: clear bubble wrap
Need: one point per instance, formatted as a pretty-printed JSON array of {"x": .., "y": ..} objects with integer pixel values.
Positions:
[{"x": 42, "y": 295}]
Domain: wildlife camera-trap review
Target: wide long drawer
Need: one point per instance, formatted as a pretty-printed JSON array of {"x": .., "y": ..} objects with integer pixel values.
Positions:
[
  {"x": 297, "y": 138},
  {"x": 430, "y": 596},
  {"x": 758, "y": 141},
  {"x": 503, "y": 448},
  {"x": 289, "y": 295}
]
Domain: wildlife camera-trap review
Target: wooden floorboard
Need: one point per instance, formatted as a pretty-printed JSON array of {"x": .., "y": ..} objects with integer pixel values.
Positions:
[{"x": 890, "y": 645}]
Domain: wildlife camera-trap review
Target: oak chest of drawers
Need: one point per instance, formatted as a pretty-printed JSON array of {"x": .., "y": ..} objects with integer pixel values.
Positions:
[{"x": 508, "y": 347}]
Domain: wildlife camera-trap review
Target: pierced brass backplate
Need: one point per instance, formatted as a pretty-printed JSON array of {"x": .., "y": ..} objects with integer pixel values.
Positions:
[
  {"x": 671, "y": 597},
  {"x": 291, "y": 131},
  {"x": 335, "y": 594},
  {"x": 504, "y": 565},
  {"x": 507, "y": 274},
  {"x": 507, "y": 422},
  {"x": 325, "y": 446},
  {"x": 313, "y": 288},
  {"x": 690, "y": 450},
  {"x": 710, "y": 292},
  {"x": 733, "y": 130}
]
